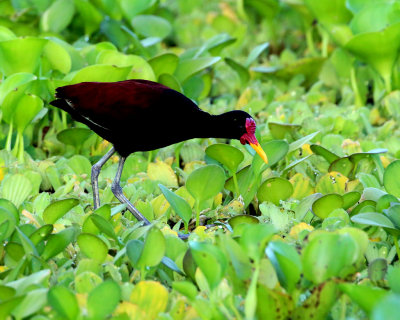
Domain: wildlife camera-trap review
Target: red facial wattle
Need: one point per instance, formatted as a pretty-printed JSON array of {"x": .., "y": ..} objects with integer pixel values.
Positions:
[{"x": 250, "y": 138}]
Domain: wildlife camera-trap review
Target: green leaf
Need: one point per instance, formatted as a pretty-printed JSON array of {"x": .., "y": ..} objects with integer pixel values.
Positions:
[
  {"x": 180, "y": 206},
  {"x": 64, "y": 302},
  {"x": 242, "y": 72},
  {"x": 350, "y": 199},
  {"x": 321, "y": 151},
  {"x": 275, "y": 150},
  {"x": 386, "y": 308},
  {"x": 27, "y": 108},
  {"x": 323, "y": 206},
  {"x": 160, "y": 171},
  {"x": 205, "y": 182},
  {"x": 190, "y": 67},
  {"x": 280, "y": 130},
  {"x": 90, "y": 15},
  {"x": 13, "y": 82},
  {"x": 93, "y": 247},
  {"x": 58, "y": 16},
  {"x": 300, "y": 142},
  {"x": 79, "y": 165},
  {"x": 373, "y": 219},
  {"x": 57, "y": 56},
  {"x": 131, "y": 8},
  {"x": 254, "y": 239},
  {"x": 103, "y": 225},
  {"x": 41, "y": 234},
  {"x": 74, "y": 136},
  {"x": 27, "y": 244},
  {"x": 13, "y": 57},
  {"x": 103, "y": 299},
  {"x": 33, "y": 301},
  {"x": 286, "y": 262},
  {"x": 98, "y": 73},
  {"x": 255, "y": 53},
  {"x": 330, "y": 13},
  {"x": 327, "y": 255},
  {"x": 377, "y": 270},
  {"x": 153, "y": 249},
  {"x": 228, "y": 155},
  {"x": 170, "y": 81},
  {"x": 390, "y": 181},
  {"x": 58, "y": 209},
  {"x": 393, "y": 277},
  {"x": 211, "y": 261},
  {"x": 57, "y": 242},
  {"x": 134, "y": 249},
  {"x": 275, "y": 190},
  {"x": 150, "y": 297},
  {"x": 366, "y": 297},
  {"x": 16, "y": 188},
  {"x": 151, "y": 26},
  {"x": 164, "y": 64},
  {"x": 242, "y": 219}
]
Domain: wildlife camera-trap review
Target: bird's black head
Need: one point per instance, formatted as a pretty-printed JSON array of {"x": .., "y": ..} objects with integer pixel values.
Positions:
[{"x": 240, "y": 125}]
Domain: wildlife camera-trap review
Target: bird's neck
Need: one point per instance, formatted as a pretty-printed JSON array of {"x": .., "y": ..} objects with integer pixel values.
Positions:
[{"x": 211, "y": 126}]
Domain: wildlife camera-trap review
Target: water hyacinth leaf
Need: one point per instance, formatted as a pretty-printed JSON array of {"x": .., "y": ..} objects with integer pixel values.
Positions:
[
  {"x": 367, "y": 297},
  {"x": 13, "y": 57},
  {"x": 326, "y": 154},
  {"x": 150, "y": 297},
  {"x": 13, "y": 82},
  {"x": 350, "y": 199},
  {"x": 327, "y": 255},
  {"x": 140, "y": 67},
  {"x": 364, "y": 204},
  {"x": 275, "y": 150},
  {"x": 377, "y": 269},
  {"x": 164, "y": 64},
  {"x": 57, "y": 56},
  {"x": 64, "y": 302},
  {"x": 6, "y": 34},
  {"x": 131, "y": 8},
  {"x": 378, "y": 49},
  {"x": 57, "y": 242},
  {"x": 79, "y": 165},
  {"x": 242, "y": 219},
  {"x": 205, "y": 182},
  {"x": 74, "y": 136},
  {"x": 103, "y": 299},
  {"x": 228, "y": 155},
  {"x": 274, "y": 190},
  {"x": 6, "y": 307},
  {"x": 386, "y": 308},
  {"x": 385, "y": 202},
  {"x": 279, "y": 130},
  {"x": 255, "y": 238},
  {"x": 241, "y": 71},
  {"x": 27, "y": 244},
  {"x": 134, "y": 249},
  {"x": 390, "y": 181},
  {"x": 211, "y": 261},
  {"x": 300, "y": 142},
  {"x": 7, "y": 224},
  {"x": 330, "y": 13},
  {"x": 98, "y": 73},
  {"x": 255, "y": 53},
  {"x": 342, "y": 165},
  {"x": 374, "y": 219},
  {"x": 41, "y": 234},
  {"x": 286, "y": 262},
  {"x": 58, "y": 209},
  {"x": 180, "y": 206},
  {"x": 190, "y": 67},
  {"x": 103, "y": 225},
  {"x": 92, "y": 247},
  {"x": 26, "y": 109},
  {"x": 170, "y": 81},
  {"x": 151, "y": 26},
  {"x": 215, "y": 44},
  {"x": 153, "y": 249},
  {"x": 160, "y": 171},
  {"x": 90, "y": 15},
  {"x": 248, "y": 183},
  {"x": 58, "y": 16},
  {"x": 393, "y": 277},
  {"x": 323, "y": 206},
  {"x": 10, "y": 207},
  {"x": 186, "y": 288},
  {"x": 16, "y": 189},
  {"x": 393, "y": 213}
]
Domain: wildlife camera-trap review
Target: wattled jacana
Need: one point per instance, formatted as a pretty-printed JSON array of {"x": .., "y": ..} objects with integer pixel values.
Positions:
[{"x": 141, "y": 115}]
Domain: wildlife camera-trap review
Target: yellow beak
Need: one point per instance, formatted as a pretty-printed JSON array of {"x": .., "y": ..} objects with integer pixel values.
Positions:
[{"x": 260, "y": 151}]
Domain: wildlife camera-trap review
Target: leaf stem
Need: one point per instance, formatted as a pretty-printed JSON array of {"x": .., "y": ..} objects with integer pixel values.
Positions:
[
  {"x": 235, "y": 182},
  {"x": 9, "y": 137},
  {"x": 197, "y": 207},
  {"x": 357, "y": 97},
  {"x": 309, "y": 41},
  {"x": 396, "y": 243},
  {"x": 251, "y": 297}
]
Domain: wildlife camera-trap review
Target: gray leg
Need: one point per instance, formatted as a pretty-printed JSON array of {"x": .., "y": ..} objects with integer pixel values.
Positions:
[
  {"x": 117, "y": 190},
  {"x": 95, "y": 175}
]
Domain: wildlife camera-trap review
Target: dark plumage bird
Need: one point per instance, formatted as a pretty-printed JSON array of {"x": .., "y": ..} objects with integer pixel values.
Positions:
[{"x": 141, "y": 115}]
